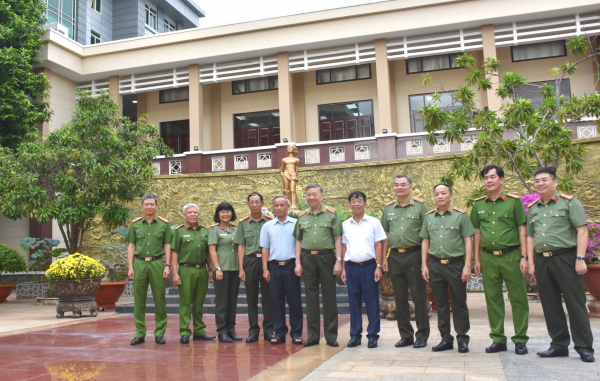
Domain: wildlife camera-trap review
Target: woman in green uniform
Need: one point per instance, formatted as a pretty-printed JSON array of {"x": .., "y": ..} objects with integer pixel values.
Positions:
[{"x": 223, "y": 253}]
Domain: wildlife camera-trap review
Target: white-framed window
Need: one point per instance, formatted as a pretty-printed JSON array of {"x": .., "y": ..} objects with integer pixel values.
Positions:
[
  {"x": 312, "y": 156},
  {"x": 441, "y": 146},
  {"x": 169, "y": 26},
  {"x": 414, "y": 147},
  {"x": 585, "y": 132},
  {"x": 336, "y": 154},
  {"x": 241, "y": 162},
  {"x": 61, "y": 12},
  {"x": 151, "y": 17},
  {"x": 97, "y": 5},
  {"x": 175, "y": 167},
  {"x": 156, "y": 168},
  {"x": 431, "y": 63},
  {"x": 95, "y": 38},
  {"x": 467, "y": 143},
  {"x": 362, "y": 152},
  {"x": 263, "y": 160},
  {"x": 538, "y": 51},
  {"x": 218, "y": 163}
]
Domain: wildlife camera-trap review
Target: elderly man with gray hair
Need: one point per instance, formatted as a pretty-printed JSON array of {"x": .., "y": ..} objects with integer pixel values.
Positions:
[{"x": 189, "y": 249}]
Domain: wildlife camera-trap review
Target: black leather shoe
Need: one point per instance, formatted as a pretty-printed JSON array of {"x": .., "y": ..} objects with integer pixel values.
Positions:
[
  {"x": 521, "y": 349},
  {"x": 553, "y": 353},
  {"x": 269, "y": 336},
  {"x": 224, "y": 338},
  {"x": 463, "y": 347},
  {"x": 252, "y": 338},
  {"x": 137, "y": 340},
  {"x": 332, "y": 343},
  {"x": 310, "y": 343},
  {"x": 185, "y": 339},
  {"x": 443, "y": 346},
  {"x": 404, "y": 343},
  {"x": 495, "y": 348},
  {"x": 420, "y": 343},
  {"x": 355, "y": 341},
  {"x": 587, "y": 356},
  {"x": 159, "y": 340},
  {"x": 234, "y": 337},
  {"x": 204, "y": 336},
  {"x": 372, "y": 342}
]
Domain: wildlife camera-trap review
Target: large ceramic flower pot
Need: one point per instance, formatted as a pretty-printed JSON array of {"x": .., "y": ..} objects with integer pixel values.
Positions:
[
  {"x": 76, "y": 296},
  {"x": 592, "y": 283},
  {"x": 387, "y": 305},
  {"x": 5, "y": 291},
  {"x": 109, "y": 293}
]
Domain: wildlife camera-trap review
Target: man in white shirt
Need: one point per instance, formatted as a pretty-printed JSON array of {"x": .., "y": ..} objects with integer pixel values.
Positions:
[
  {"x": 362, "y": 242},
  {"x": 279, "y": 263}
]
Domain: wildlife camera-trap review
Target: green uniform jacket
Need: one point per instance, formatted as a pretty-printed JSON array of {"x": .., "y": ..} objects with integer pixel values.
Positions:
[
  {"x": 499, "y": 220},
  {"x": 447, "y": 232},
  {"x": 553, "y": 225},
  {"x": 248, "y": 233},
  {"x": 316, "y": 232},
  {"x": 226, "y": 248},
  {"x": 404, "y": 223},
  {"x": 191, "y": 245},
  {"x": 149, "y": 238}
]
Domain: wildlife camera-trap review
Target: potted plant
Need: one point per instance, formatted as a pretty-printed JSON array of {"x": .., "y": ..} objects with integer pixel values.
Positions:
[
  {"x": 592, "y": 277},
  {"x": 10, "y": 262},
  {"x": 114, "y": 257},
  {"x": 74, "y": 280},
  {"x": 43, "y": 251}
]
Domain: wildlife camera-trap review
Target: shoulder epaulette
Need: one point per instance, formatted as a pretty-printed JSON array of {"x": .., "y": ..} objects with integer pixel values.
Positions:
[
  {"x": 202, "y": 226},
  {"x": 245, "y": 218},
  {"x": 513, "y": 195},
  {"x": 480, "y": 198},
  {"x": 431, "y": 211},
  {"x": 567, "y": 196},
  {"x": 269, "y": 216},
  {"x": 332, "y": 210},
  {"x": 213, "y": 225},
  {"x": 163, "y": 219},
  {"x": 460, "y": 210},
  {"x": 232, "y": 225},
  {"x": 178, "y": 226},
  {"x": 533, "y": 203},
  {"x": 303, "y": 212},
  {"x": 390, "y": 203},
  {"x": 136, "y": 219},
  {"x": 419, "y": 199}
]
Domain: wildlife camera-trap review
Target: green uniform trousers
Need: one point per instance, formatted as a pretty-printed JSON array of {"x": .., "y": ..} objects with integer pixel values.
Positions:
[
  {"x": 405, "y": 269},
  {"x": 442, "y": 277},
  {"x": 556, "y": 276},
  {"x": 319, "y": 269},
  {"x": 144, "y": 273},
  {"x": 226, "y": 295},
  {"x": 192, "y": 292},
  {"x": 253, "y": 268},
  {"x": 494, "y": 270}
]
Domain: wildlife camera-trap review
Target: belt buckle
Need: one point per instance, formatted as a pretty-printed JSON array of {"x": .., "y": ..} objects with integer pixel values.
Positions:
[
  {"x": 444, "y": 261},
  {"x": 148, "y": 259},
  {"x": 314, "y": 252},
  {"x": 258, "y": 255},
  {"x": 401, "y": 250},
  {"x": 197, "y": 266},
  {"x": 282, "y": 263},
  {"x": 497, "y": 252},
  {"x": 547, "y": 253}
]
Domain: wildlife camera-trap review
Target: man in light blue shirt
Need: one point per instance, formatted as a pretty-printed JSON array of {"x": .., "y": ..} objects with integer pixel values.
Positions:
[{"x": 279, "y": 262}]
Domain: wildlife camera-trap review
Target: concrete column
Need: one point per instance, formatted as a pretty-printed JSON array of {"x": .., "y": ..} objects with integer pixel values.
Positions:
[
  {"x": 490, "y": 100},
  {"x": 113, "y": 87},
  {"x": 215, "y": 117},
  {"x": 384, "y": 89},
  {"x": 142, "y": 104},
  {"x": 299, "y": 107},
  {"x": 196, "y": 108},
  {"x": 286, "y": 103},
  {"x": 45, "y": 126}
]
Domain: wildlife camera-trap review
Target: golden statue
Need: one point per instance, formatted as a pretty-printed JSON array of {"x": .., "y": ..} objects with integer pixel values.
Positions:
[{"x": 289, "y": 175}]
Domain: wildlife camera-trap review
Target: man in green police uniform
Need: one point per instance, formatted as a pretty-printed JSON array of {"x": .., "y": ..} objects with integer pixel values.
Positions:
[
  {"x": 189, "y": 249},
  {"x": 402, "y": 220},
  {"x": 500, "y": 236},
  {"x": 247, "y": 236},
  {"x": 446, "y": 255},
  {"x": 557, "y": 239},
  {"x": 149, "y": 240},
  {"x": 318, "y": 232}
]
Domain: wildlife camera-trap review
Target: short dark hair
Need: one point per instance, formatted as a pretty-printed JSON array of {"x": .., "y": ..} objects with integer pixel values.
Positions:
[
  {"x": 487, "y": 168},
  {"x": 403, "y": 177},
  {"x": 313, "y": 185},
  {"x": 444, "y": 184},
  {"x": 224, "y": 206},
  {"x": 548, "y": 170},
  {"x": 256, "y": 194},
  {"x": 150, "y": 196},
  {"x": 357, "y": 194}
]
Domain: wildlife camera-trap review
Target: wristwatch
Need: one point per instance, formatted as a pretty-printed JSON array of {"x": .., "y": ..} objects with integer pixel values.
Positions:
[
  {"x": 524, "y": 257},
  {"x": 218, "y": 269},
  {"x": 339, "y": 259},
  {"x": 581, "y": 258},
  {"x": 379, "y": 265},
  {"x": 167, "y": 265}
]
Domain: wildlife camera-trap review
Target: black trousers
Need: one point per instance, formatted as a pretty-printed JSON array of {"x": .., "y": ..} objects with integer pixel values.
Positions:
[
  {"x": 254, "y": 279},
  {"x": 226, "y": 295},
  {"x": 286, "y": 285}
]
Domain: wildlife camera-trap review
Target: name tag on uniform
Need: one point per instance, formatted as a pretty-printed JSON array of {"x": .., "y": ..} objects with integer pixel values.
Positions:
[
  {"x": 140, "y": 231},
  {"x": 433, "y": 223},
  {"x": 188, "y": 235},
  {"x": 391, "y": 214},
  {"x": 223, "y": 235},
  {"x": 481, "y": 211},
  {"x": 249, "y": 231},
  {"x": 534, "y": 214}
]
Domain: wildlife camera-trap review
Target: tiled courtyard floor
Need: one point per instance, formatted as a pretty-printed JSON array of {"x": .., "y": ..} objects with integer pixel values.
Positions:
[{"x": 36, "y": 346}]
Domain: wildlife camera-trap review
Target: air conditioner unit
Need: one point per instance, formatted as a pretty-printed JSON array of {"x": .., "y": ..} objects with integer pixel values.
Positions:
[{"x": 57, "y": 27}]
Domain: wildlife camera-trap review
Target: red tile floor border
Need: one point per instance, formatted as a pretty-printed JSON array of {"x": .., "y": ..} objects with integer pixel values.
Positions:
[{"x": 100, "y": 350}]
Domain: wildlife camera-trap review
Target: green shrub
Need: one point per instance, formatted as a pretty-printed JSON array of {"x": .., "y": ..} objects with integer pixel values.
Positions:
[{"x": 10, "y": 260}]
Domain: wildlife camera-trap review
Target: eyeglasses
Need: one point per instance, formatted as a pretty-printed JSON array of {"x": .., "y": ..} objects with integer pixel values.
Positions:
[{"x": 357, "y": 202}]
